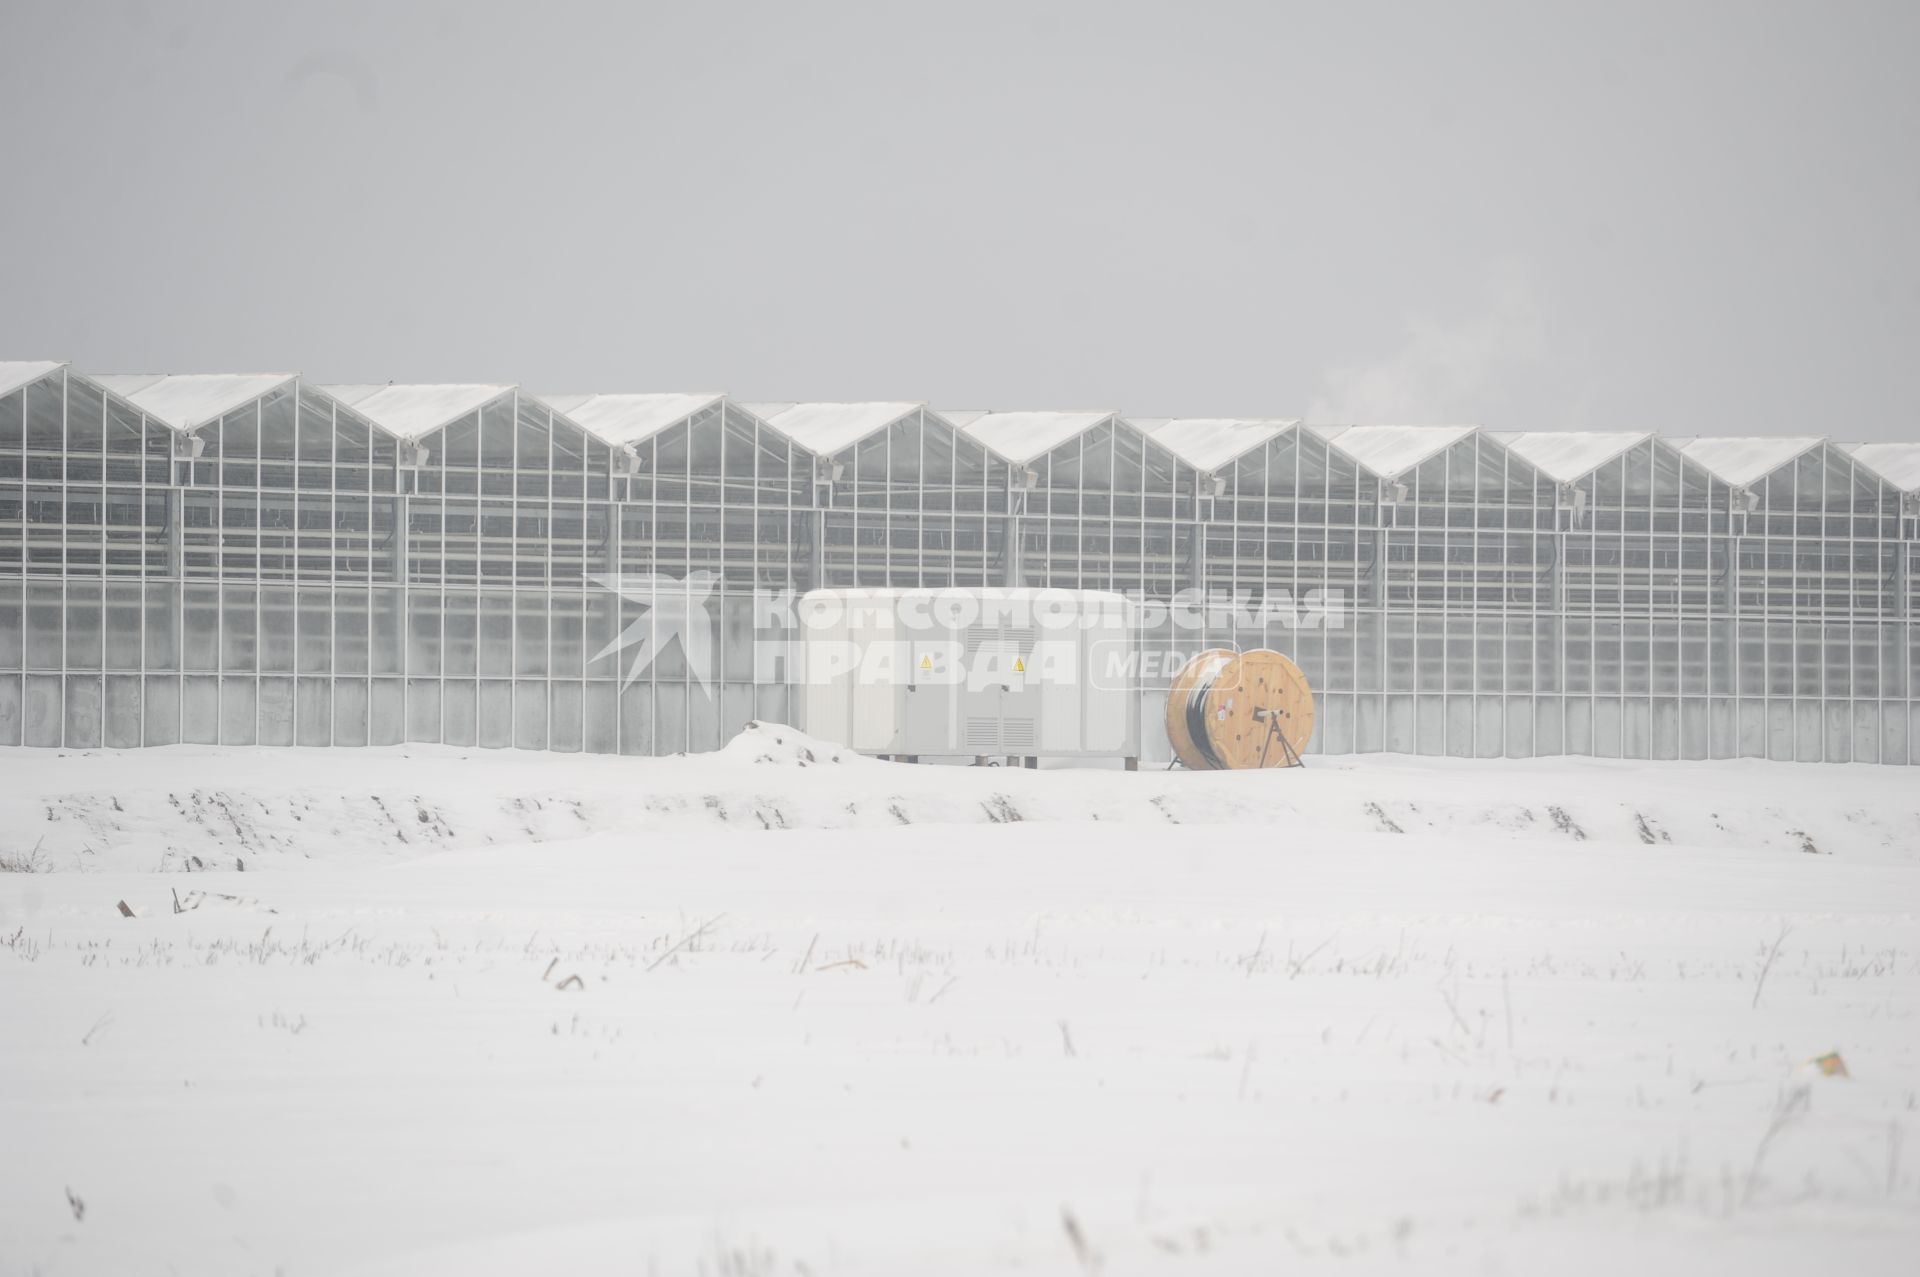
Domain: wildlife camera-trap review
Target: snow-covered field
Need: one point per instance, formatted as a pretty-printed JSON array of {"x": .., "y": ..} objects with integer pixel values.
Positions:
[{"x": 765, "y": 1012}]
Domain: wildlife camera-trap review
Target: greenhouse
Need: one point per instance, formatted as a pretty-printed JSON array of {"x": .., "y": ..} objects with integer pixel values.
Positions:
[{"x": 261, "y": 560}]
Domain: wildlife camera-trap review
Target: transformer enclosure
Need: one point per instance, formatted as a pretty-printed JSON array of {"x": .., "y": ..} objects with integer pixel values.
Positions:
[{"x": 1034, "y": 673}]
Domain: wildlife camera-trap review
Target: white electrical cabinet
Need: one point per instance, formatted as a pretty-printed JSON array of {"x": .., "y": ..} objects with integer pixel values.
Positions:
[{"x": 994, "y": 672}]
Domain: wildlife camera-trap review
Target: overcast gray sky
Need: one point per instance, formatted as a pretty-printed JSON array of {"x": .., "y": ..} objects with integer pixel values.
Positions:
[{"x": 1691, "y": 217}]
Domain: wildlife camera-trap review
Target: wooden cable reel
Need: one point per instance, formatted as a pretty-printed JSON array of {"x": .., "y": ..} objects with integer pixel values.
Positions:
[{"x": 1239, "y": 711}]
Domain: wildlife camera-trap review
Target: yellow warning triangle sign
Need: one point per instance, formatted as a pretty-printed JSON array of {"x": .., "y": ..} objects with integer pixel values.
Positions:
[
  {"x": 1019, "y": 666},
  {"x": 926, "y": 662}
]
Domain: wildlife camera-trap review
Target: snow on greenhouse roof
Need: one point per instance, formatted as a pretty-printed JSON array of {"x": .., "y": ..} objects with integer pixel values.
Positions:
[
  {"x": 826, "y": 428},
  {"x": 1391, "y": 451},
  {"x": 1743, "y": 460},
  {"x": 628, "y": 418},
  {"x": 415, "y": 410},
  {"x": 1897, "y": 463},
  {"x": 351, "y": 395},
  {"x": 17, "y": 373},
  {"x": 1567, "y": 455},
  {"x": 1022, "y": 436},
  {"x": 1207, "y": 443},
  {"x": 191, "y": 400}
]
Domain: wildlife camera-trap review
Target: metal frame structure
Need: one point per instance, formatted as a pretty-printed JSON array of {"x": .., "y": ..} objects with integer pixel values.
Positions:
[{"x": 261, "y": 560}]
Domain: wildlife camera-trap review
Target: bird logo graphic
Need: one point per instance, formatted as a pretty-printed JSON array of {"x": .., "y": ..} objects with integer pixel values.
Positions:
[{"x": 676, "y": 608}]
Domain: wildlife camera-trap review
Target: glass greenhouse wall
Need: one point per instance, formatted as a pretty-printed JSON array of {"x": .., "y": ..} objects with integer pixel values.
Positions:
[{"x": 260, "y": 560}]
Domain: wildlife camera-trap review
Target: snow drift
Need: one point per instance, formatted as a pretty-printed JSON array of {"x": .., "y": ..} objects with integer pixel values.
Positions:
[
  {"x": 195, "y": 807},
  {"x": 784, "y": 1010}
]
